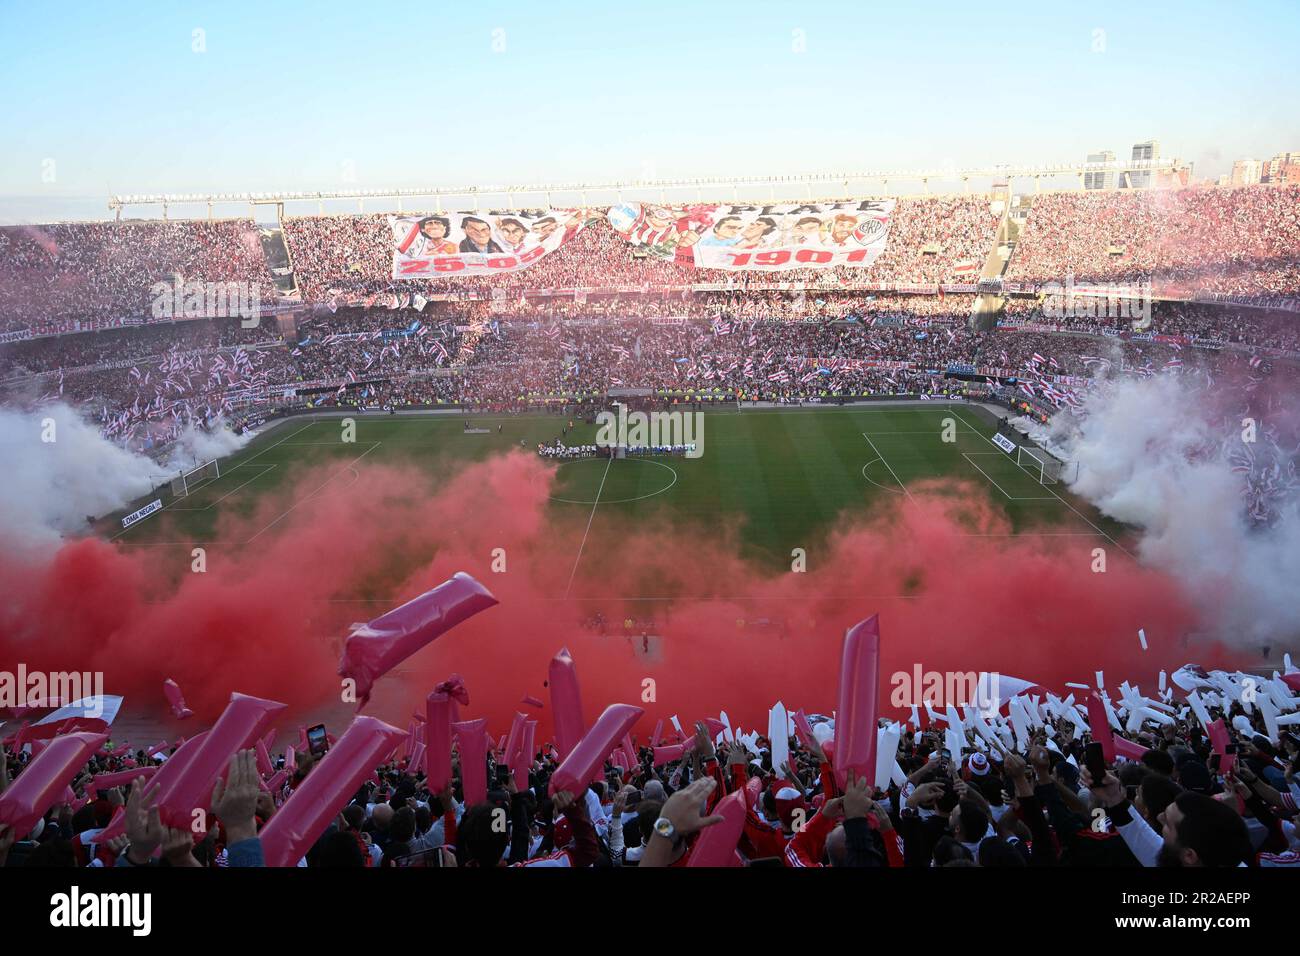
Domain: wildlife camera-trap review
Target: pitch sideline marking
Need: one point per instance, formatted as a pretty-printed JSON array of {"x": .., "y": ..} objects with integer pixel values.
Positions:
[{"x": 590, "y": 518}]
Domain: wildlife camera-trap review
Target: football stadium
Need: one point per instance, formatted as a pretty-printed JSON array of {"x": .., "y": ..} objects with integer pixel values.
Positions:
[{"x": 915, "y": 516}]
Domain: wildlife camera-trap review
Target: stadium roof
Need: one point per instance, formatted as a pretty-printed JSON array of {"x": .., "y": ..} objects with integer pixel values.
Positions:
[{"x": 713, "y": 187}]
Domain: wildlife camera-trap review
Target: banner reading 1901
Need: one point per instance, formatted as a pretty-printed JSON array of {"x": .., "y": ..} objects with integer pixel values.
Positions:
[
  {"x": 772, "y": 238},
  {"x": 478, "y": 244}
]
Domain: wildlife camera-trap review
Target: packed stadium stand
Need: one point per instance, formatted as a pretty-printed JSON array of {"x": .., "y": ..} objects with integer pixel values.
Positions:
[
  {"x": 1237, "y": 241},
  {"x": 354, "y": 254},
  {"x": 76, "y": 316},
  {"x": 52, "y": 277}
]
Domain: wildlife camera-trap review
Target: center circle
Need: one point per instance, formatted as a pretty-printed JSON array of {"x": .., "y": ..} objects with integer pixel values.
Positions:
[{"x": 615, "y": 501}]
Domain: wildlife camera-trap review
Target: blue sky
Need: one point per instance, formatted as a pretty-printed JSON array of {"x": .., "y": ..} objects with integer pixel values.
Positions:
[{"x": 103, "y": 98}]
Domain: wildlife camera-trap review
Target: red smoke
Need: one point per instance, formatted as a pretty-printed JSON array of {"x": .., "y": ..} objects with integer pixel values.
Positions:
[{"x": 268, "y": 616}]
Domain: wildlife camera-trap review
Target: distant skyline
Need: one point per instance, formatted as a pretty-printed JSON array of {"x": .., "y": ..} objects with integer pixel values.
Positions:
[{"x": 237, "y": 97}]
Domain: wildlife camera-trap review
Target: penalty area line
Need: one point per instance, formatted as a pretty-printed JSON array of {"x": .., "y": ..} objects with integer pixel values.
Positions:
[
  {"x": 1053, "y": 493},
  {"x": 886, "y": 464},
  {"x": 313, "y": 493}
]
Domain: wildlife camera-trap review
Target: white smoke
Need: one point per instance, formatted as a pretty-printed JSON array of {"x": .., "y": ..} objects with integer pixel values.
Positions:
[
  {"x": 58, "y": 470},
  {"x": 1151, "y": 454},
  {"x": 196, "y": 446}
]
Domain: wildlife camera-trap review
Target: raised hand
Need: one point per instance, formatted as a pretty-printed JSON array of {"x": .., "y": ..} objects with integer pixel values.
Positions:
[
  {"x": 178, "y": 848},
  {"x": 685, "y": 808},
  {"x": 1015, "y": 765},
  {"x": 857, "y": 797},
  {"x": 1110, "y": 791},
  {"x": 1038, "y": 756},
  {"x": 737, "y": 754},
  {"x": 144, "y": 827},
  {"x": 620, "y": 800},
  {"x": 703, "y": 744},
  {"x": 881, "y": 813},
  {"x": 234, "y": 800},
  {"x": 926, "y": 794},
  {"x": 118, "y": 844}
]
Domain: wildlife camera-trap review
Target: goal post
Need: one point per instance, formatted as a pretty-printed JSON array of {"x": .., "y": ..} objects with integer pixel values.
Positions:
[
  {"x": 188, "y": 481},
  {"x": 1046, "y": 469}
]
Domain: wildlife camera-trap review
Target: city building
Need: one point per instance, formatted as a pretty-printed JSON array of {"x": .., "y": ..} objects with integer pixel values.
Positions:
[{"x": 1100, "y": 178}]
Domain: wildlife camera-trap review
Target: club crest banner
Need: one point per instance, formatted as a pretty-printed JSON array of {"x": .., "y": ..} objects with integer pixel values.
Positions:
[
  {"x": 773, "y": 238},
  {"x": 478, "y": 243}
]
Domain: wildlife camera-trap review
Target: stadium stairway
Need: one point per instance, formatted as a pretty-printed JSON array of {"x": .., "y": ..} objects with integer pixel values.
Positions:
[{"x": 988, "y": 307}]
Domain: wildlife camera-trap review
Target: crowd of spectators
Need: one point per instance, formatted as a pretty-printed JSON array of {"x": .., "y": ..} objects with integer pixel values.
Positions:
[
  {"x": 1236, "y": 241},
  {"x": 1239, "y": 241},
  {"x": 1199, "y": 780},
  {"x": 783, "y": 346},
  {"x": 54, "y": 275},
  {"x": 1213, "y": 324},
  {"x": 928, "y": 237},
  {"x": 85, "y": 350}
]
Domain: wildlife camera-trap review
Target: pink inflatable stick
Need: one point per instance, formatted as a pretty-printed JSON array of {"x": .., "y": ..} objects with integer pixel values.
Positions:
[
  {"x": 668, "y": 754},
  {"x": 327, "y": 789},
  {"x": 373, "y": 649},
  {"x": 1127, "y": 748},
  {"x": 172, "y": 691},
  {"x": 566, "y": 702},
  {"x": 586, "y": 758},
  {"x": 515, "y": 740},
  {"x": 1219, "y": 740},
  {"x": 170, "y": 771},
  {"x": 437, "y": 739},
  {"x": 38, "y": 787},
  {"x": 716, "y": 844},
  {"x": 804, "y": 729},
  {"x": 107, "y": 781},
  {"x": 855, "y": 718},
  {"x": 242, "y": 722},
  {"x": 1099, "y": 727},
  {"x": 524, "y": 756},
  {"x": 472, "y": 735},
  {"x": 417, "y": 758},
  {"x": 264, "y": 765}
]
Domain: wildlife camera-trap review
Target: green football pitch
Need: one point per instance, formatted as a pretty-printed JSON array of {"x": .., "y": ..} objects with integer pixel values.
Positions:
[{"x": 781, "y": 476}]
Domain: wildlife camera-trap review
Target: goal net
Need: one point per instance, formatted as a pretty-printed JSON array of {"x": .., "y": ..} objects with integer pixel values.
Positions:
[
  {"x": 1046, "y": 469},
  {"x": 188, "y": 481}
]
